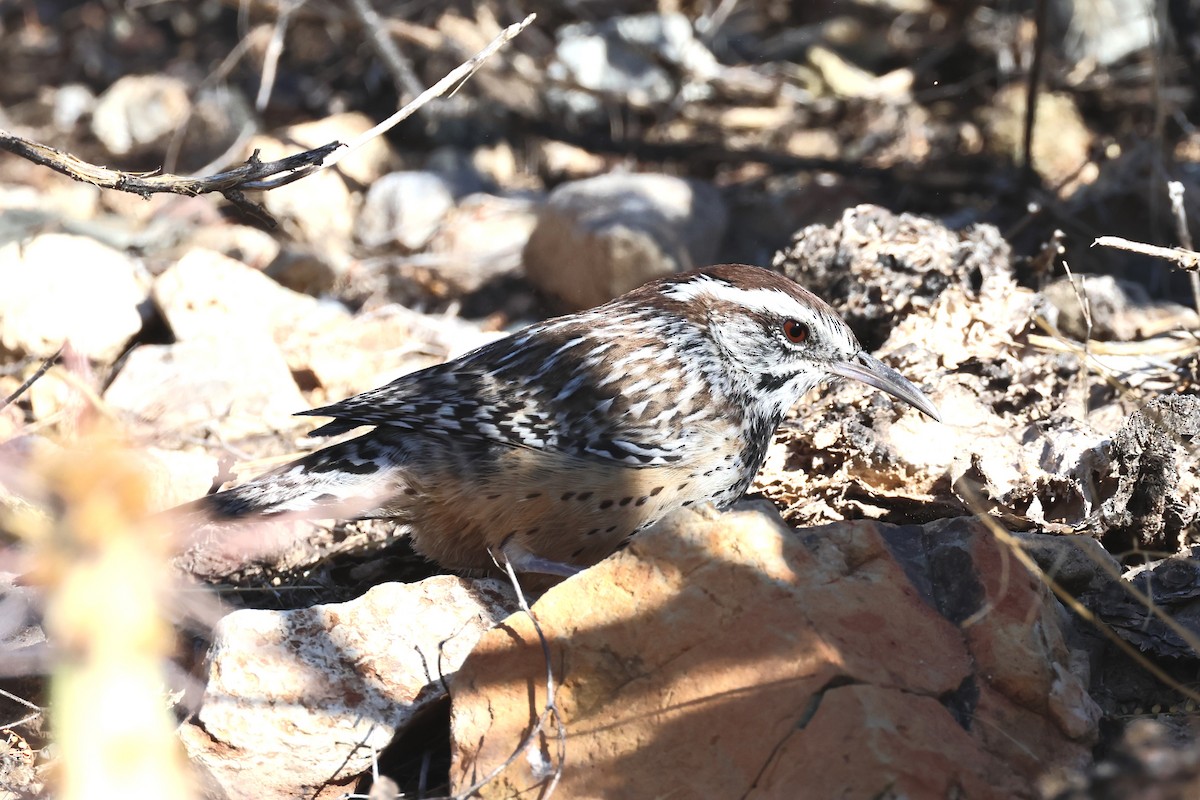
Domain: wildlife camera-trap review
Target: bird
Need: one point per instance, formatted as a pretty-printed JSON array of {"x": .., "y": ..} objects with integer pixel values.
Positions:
[{"x": 547, "y": 449}]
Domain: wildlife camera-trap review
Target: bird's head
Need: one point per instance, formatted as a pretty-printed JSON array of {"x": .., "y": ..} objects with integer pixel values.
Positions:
[{"x": 778, "y": 339}]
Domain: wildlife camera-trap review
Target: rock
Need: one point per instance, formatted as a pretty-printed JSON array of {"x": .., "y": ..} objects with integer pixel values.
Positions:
[
  {"x": 177, "y": 476},
  {"x": 638, "y": 60},
  {"x": 60, "y": 288},
  {"x": 1152, "y": 497},
  {"x": 731, "y": 656},
  {"x": 846, "y": 80},
  {"x": 1062, "y": 139},
  {"x": 1018, "y": 439},
  {"x": 138, "y": 114},
  {"x": 601, "y": 237},
  {"x": 1173, "y": 587},
  {"x": 310, "y": 271},
  {"x": 1119, "y": 310},
  {"x": 342, "y": 359},
  {"x": 318, "y": 210},
  {"x": 72, "y": 102},
  {"x": 877, "y": 267},
  {"x": 237, "y": 386},
  {"x": 220, "y": 117},
  {"x": 1105, "y": 34},
  {"x": 561, "y": 161},
  {"x": 1153, "y": 759},
  {"x": 404, "y": 208},
  {"x": 297, "y": 700},
  {"x": 365, "y": 165},
  {"x": 483, "y": 239},
  {"x": 253, "y": 247},
  {"x": 207, "y": 295},
  {"x": 1079, "y": 563},
  {"x": 460, "y": 170}
]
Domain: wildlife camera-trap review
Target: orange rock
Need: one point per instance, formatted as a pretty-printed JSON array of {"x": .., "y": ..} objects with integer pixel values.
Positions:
[{"x": 726, "y": 655}]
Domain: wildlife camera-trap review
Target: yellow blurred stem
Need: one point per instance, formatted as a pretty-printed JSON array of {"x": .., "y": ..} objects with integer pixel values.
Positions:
[{"x": 107, "y": 576}]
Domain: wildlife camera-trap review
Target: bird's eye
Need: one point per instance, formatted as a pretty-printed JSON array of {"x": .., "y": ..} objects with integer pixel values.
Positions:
[{"x": 796, "y": 332}]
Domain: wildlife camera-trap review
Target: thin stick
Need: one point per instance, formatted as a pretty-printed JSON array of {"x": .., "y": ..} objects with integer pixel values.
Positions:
[
  {"x": 975, "y": 501},
  {"x": 401, "y": 70},
  {"x": 271, "y": 57},
  {"x": 24, "y": 387},
  {"x": 550, "y": 709},
  {"x": 1085, "y": 305},
  {"x": 451, "y": 80},
  {"x": 1175, "y": 192},
  {"x": 1184, "y": 259},
  {"x": 254, "y": 174},
  {"x": 1031, "y": 91}
]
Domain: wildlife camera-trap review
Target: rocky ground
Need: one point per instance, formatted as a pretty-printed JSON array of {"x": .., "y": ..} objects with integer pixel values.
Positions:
[{"x": 1003, "y": 604}]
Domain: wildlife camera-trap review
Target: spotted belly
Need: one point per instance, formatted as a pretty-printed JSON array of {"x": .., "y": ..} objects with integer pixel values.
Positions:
[{"x": 565, "y": 509}]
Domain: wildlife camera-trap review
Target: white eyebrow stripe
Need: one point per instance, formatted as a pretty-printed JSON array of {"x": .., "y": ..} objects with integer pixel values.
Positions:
[{"x": 767, "y": 301}]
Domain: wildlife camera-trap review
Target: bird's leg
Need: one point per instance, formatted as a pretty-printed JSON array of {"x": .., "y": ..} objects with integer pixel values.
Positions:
[{"x": 522, "y": 560}]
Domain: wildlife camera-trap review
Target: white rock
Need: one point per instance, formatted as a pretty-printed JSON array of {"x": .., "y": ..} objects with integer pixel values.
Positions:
[
  {"x": 600, "y": 237},
  {"x": 404, "y": 208},
  {"x": 364, "y": 165},
  {"x": 207, "y": 294},
  {"x": 297, "y": 699},
  {"x": 60, "y": 288},
  {"x": 140, "y": 112},
  {"x": 238, "y": 386},
  {"x": 177, "y": 476}
]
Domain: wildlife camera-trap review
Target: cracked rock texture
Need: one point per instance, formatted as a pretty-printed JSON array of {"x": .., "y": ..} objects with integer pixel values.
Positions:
[
  {"x": 299, "y": 702},
  {"x": 726, "y": 655}
]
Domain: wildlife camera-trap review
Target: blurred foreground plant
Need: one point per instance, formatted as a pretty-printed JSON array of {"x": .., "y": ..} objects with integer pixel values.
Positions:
[{"x": 104, "y": 568}]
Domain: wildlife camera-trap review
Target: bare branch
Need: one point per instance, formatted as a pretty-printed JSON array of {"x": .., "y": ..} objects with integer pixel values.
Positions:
[
  {"x": 451, "y": 81},
  {"x": 1184, "y": 259},
  {"x": 254, "y": 174},
  {"x": 403, "y": 76},
  {"x": 24, "y": 387},
  {"x": 229, "y": 183}
]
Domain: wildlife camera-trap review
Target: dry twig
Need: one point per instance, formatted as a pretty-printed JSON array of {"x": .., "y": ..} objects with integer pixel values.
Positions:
[
  {"x": 1175, "y": 192},
  {"x": 254, "y": 174},
  {"x": 1184, "y": 259},
  {"x": 24, "y": 387}
]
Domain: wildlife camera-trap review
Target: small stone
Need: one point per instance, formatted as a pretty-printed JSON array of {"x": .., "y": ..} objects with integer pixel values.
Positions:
[
  {"x": 60, "y": 288},
  {"x": 1104, "y": 307},
  {"x": 483, "y": 239},
  {"x": 139, "y": 113},
  {"x": 1061, "y": 138},
  {"x": 237, "y": 385},
  {"x": 366, "y": 164},
  {"x": 72, "y": 102},
  {"x": 207, "y": 294},
  {"x": 562, "y": 161},
  {"x": 638, "y": 59},
  {"x": 220, "y": 116},
  {"x": 600, "y": 237},
  {"x": 311, "y": 271},
  {"x": 404, "y": 208},
  {"x": 343, "y": 358},
  {"x": 460, "y": 170},
  {"x": 177, "y": 476},
  {"x": 253, "y": 247},
  {"x": 308, "y": 697}
]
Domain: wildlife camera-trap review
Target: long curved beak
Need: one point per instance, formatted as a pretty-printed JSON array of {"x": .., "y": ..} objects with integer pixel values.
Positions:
[{"x": 873, "y": 372}]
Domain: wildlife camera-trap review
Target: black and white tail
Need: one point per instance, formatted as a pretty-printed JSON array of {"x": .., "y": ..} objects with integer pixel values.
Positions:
[{"x": 345, "y": 480}]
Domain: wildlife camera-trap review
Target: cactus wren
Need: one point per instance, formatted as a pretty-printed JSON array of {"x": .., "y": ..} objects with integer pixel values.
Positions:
[{"x": 553, "y": 445}]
